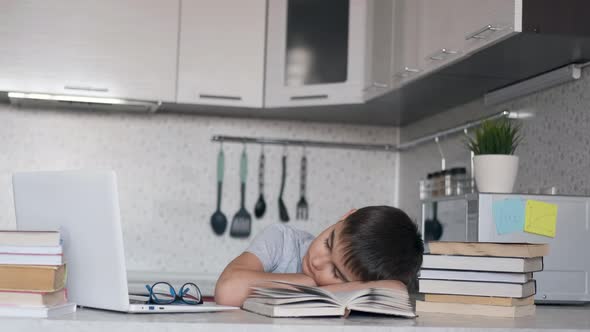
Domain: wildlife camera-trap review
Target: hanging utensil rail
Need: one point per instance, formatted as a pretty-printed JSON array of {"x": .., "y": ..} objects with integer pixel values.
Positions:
[
  {"x": 359, "y": 146},
  {"x": 307, "y": 143}
]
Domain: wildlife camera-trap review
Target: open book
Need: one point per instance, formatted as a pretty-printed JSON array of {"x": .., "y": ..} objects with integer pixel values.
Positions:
[{"x": 284, "y": 299}]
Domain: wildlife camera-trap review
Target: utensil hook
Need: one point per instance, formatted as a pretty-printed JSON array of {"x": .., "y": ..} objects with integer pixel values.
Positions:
[
  {"x": 442, "y": 155},
  {"x": 471, "y": 156}
]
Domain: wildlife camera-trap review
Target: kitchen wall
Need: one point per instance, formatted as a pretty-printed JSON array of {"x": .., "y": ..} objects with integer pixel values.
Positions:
[
  {"x": 555, "y": 150},
  {"x": 167, "y": 175}
]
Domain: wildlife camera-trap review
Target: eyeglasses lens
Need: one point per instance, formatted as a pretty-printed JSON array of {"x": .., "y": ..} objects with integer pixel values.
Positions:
[
  {"x": 163, "y": 293},
  {"x": 190, "y": 294}
]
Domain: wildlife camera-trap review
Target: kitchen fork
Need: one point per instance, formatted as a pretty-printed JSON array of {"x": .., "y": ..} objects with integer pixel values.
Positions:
[{"x": 302, "y": 206}]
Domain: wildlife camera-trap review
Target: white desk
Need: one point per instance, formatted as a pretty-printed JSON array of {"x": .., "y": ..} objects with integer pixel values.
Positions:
[{"x": 548, "y": 318}]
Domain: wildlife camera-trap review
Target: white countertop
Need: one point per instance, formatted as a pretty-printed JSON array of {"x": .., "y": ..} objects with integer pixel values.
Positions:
[{"x": 548, "y": 318}]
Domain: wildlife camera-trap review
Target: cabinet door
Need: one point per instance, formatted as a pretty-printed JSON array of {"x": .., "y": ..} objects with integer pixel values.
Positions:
[
  {"x": 486, "y": 21},
  {"x": 315, "y": 52},
  {"x": 379, "y": 48},
  {"x": 110, "y": 48},
  {"x": 439, "y": 44},
  {"x": 221, "y": 57},
  {"x": 406, "y": 61}
]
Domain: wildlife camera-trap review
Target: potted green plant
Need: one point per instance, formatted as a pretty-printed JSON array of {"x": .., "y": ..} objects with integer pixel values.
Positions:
[{"x": 495, "y": 165}]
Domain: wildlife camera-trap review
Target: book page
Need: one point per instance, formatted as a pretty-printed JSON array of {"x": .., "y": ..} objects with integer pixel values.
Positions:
[
  {"x": 302, "y": 301},
  {"x": 293, "y": 293},
  {"x": 301, "y": 289}
]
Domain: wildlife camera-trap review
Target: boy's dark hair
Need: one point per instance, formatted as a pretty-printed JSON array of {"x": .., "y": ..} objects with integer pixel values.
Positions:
[{"x": 382, "y": 243}]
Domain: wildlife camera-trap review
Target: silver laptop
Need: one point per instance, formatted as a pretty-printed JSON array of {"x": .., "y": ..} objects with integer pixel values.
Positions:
[{"x": 84, "y": 207}]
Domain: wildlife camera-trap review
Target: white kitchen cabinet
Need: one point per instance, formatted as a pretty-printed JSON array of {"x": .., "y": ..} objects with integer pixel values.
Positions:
[
  {"x": 485, "y": 21},
  {"x": 221, "y": 52},
  {"x": 379, "y": 57},
  {"x": 315, "y": 55},
  {"x": 439, "y": 44},
  {"x": 406, "y": 60},
  {"x": 433, "y": 33},
  {"x": 107, "y": 48}
]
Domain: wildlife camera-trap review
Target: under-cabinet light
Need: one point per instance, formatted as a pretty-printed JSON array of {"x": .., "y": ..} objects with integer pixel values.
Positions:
[
  {"x": 79, "y": 99},
  {"x": 133, "y": 105},
  {"x": 521, "y": 114},
  {"x": 537, "y": 83}
]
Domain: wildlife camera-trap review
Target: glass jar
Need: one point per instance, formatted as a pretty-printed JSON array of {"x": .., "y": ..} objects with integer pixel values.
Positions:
[
  {"x": 460, "y": 185},
  {"x": 448, "y": 182},
  {"x": 426, "y": 187}
]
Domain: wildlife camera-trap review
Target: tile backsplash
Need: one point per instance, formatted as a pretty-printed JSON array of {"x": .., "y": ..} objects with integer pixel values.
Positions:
[
  {"x": 555, "y": 150},
  {"x": 166, "y": 170}
]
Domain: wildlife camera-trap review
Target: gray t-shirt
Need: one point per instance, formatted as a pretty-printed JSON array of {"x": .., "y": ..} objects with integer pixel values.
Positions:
[{"x": 281, "y": 248}]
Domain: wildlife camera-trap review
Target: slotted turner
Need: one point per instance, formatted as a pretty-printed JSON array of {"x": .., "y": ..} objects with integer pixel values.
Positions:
[
  {"x": 302, "y": 206},
  {"x": 283, "y": 213},
  {"x": 241, "y": 224}
]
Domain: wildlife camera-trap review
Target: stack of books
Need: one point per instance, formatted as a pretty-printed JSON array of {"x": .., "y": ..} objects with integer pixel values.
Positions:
[
  {"x": 483, "y": 278},
  {"x": 32, "y": 275}
]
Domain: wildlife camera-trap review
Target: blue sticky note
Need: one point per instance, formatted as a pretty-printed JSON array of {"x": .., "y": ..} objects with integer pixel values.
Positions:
[{"x": 509, "y": 215}]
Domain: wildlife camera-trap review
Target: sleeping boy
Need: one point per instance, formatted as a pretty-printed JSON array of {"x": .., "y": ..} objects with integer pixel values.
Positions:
[{"x": 376, "y": 246}]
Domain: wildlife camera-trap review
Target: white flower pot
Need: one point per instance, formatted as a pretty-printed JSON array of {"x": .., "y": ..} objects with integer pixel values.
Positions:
[{"x": 495, "y": 173}]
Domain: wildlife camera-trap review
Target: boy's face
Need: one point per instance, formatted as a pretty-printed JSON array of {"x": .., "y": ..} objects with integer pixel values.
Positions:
[{"x": 324, "y": 260}]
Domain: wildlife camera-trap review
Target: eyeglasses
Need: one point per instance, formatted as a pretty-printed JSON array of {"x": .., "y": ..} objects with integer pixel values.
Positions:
[{"x": 164, "y": 293}]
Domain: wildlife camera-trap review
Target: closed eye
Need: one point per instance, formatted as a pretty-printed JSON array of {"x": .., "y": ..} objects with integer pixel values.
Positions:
[{"x": 335, "y": 271}]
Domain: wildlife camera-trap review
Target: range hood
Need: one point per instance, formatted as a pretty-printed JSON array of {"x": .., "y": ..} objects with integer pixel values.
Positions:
[{"x": 81, "y": 102}]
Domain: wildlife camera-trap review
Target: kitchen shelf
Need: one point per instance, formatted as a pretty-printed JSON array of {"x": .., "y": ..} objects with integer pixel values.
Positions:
[{"x": 469, "y": 196}]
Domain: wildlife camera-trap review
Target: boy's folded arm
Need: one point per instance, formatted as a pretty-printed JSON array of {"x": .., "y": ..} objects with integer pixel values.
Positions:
[{"x": 244, "y": 271}]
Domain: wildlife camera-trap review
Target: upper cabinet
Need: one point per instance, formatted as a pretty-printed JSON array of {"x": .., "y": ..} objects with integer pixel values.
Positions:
[
  {"x": 281, "y": 53},
  {"x": 379, "y": 40},
  {"x": 406, "y": 29},
  {"x": 438, "y": 41},
  {"x": 107, "y": 48},
  {"x": 315, "y": 52},
  {"x": 484, "y": 22},
  {"x": 221, "y": 52},
  {"x": 451, "y": 29}
]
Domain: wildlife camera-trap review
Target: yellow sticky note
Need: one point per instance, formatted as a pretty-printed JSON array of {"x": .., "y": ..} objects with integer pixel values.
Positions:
[{"x": 540, "y": 218}]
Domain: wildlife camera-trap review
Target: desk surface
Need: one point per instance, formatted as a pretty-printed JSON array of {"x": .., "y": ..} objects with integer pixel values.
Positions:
[{"x": 548, "y": 318}]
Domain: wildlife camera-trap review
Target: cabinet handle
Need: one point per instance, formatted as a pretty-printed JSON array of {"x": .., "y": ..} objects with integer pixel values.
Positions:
[
  {"x": 85, "y": 88},
  {"x": 441, "y": 54},
  {"x": 407, "y": 72},
  {"x": 309, "y": 97},
  {"x": 380, "y": 85},
  {"x": 478, "y": 34},
  {"x": 376, "y": 85},
  {"x": 205, "y": 96}
]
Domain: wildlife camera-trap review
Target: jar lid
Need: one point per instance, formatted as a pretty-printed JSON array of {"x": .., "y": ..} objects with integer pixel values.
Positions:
[{"x": 458, "y": 170}]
